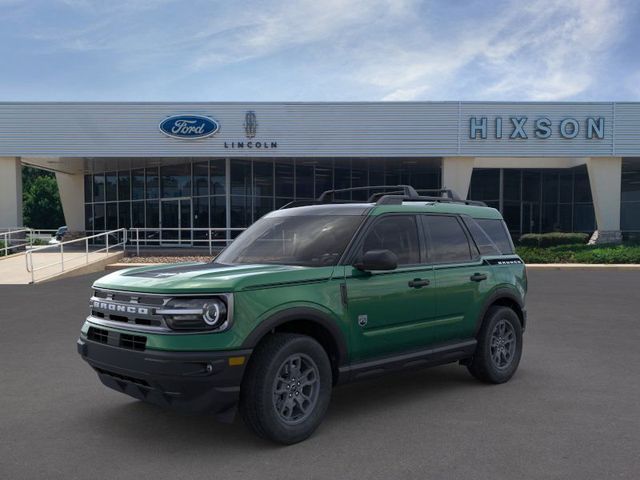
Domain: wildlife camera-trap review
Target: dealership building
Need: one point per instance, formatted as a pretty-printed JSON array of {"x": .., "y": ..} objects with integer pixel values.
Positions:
[{"x": 552, "y": 166}]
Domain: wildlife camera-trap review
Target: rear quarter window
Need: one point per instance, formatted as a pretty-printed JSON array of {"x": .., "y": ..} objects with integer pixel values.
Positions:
[
  {"x": 498, "y": 233},
  {"x": 485, "y": 244}
]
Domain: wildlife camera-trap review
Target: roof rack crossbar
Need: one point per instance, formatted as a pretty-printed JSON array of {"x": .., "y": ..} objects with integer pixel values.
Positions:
[
  {"x": 399, "y": 199},
  {"x": 442, "y": 191},
  {"x": 374, "y": 197},
  {"x": 307, "y": 203},
  {"x": 329, "y": 195}
]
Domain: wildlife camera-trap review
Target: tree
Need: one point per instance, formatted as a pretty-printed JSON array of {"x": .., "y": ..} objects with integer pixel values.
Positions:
[{"x": 41, "y": 207}]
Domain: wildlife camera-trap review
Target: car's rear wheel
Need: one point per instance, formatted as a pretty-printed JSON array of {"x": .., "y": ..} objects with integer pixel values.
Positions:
[
  {"x": 499, "y": 346},
  {"x": 287, "y": 388}
]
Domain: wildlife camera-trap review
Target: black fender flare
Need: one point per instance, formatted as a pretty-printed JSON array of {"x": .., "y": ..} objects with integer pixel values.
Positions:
[
  {"x": 300, "y": 313},
  {"x": 499, "y": 294}
]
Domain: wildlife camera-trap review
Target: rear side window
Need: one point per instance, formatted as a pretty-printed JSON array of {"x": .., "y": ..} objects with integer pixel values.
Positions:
[
  {"x": 398, "y": 234},
  {"x": 497, "y": 231},
  {"x": 485, "y": 245},
  {"x": 447, "y": 241}
]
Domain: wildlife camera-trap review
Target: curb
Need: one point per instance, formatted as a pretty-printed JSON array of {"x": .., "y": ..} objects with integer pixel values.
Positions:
[{"x": 574, "y": 266}]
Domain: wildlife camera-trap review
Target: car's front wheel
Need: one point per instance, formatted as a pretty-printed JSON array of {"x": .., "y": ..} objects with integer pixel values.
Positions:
[
  {"x": 287, "y": 388},
  {"x": 499, "y": 347}
]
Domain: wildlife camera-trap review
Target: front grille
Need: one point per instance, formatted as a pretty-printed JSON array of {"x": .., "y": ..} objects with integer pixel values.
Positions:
[
  {"x": 137, "y": 312},
  {"x": 128, "y": 308},
  {"x": 133, "y": 342},
  {"x": 130, "y": 297},
  {"x": 125, "y": 319},
  {"x": 98, "y": 335}
]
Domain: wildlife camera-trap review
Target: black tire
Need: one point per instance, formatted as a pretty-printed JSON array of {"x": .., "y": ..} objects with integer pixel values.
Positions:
[
  {"x": 260, "y": 401},
  {"x": 494, "y": 360}
]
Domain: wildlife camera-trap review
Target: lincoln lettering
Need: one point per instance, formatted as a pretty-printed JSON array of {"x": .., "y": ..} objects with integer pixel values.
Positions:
[
  {"x": 251, "y": 144},
  {"x": 521, "y": 127}
]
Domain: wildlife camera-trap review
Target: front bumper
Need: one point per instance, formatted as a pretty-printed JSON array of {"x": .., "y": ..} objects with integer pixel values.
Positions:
[{"x": 187, "y": 381}]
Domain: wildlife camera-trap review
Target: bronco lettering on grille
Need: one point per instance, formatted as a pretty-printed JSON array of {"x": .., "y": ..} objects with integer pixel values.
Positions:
[{"x": 115, "y": 307}]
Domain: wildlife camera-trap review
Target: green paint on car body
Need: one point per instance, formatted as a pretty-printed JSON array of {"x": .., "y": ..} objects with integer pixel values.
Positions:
[{"x": 398, "y": 318}]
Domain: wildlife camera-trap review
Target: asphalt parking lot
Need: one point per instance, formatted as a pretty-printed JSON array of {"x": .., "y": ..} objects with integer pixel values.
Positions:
[{"x": 571, "y": 411}]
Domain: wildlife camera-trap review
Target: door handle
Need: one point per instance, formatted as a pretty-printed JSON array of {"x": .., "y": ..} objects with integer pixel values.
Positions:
[
  {"x": 418, "y": 283},
  {"x": 478, "y": 277}
]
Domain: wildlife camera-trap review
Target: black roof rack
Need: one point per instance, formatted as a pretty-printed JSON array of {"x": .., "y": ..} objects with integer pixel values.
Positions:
[
  {"x": 397, "y": 195},
  {"x": 329, "y": 195},
  {"x": 399, "y": 199},
  {"x": 298, "y": 203},
  {"x": 441, "y": 192}
]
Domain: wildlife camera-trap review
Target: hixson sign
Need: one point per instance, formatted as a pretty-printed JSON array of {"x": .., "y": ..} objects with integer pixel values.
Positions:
[{"x": 543, "y": 127}]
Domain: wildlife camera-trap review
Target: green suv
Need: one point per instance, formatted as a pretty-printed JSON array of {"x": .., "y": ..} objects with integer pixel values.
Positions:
[{"x": 310, "y": 297}]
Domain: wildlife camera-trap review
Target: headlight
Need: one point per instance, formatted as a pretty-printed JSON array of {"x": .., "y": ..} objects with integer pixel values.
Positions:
[
  {"x": 214, "y": 312},
  {"x": 195, "y": 314}
]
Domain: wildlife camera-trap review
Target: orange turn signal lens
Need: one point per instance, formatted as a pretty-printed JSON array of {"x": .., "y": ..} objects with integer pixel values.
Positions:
[{"x": 236, "y": 361}]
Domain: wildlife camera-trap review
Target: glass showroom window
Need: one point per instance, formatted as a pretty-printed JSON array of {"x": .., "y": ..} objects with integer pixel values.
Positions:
[
  {"x": 133, "y": 197},
  {"x": 630, "y": 206},
  {"x": 537, "y": 200},
  {"x": 152, "y": 183},
  {"x": 111, "y": 186},
  {"x": 137, "y": 184}
]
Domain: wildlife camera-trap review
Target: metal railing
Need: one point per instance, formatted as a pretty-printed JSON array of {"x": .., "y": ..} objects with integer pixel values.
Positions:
[
  {"x": 41, "y": 233},
  {"x": 24, "y": 235},
  {"x": 6, "y": 239},
  {"x": 182, "y": 237},
  {"x": 110, "y": 239}
]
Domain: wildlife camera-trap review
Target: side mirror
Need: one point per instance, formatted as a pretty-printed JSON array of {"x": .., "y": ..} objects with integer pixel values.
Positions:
[{"x": 377, "y": 260}]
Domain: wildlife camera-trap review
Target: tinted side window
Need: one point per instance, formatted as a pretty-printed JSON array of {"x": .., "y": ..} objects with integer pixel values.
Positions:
[
  {"x": 447, "y": 241},
  {"x": 497, "y": 231},
  {"x": 485, "y": 245},
  {"x": 398, "y": 234}
]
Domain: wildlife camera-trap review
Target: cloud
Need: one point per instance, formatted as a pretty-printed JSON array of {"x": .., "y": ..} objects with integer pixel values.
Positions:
[
  {"x": 403, "y": 94},
  {"x": 547, "y": 50},
  {"x": 348, "y": 49},
  {"x": 557, "y": 52},
  {"x": 285, "y": 25}
]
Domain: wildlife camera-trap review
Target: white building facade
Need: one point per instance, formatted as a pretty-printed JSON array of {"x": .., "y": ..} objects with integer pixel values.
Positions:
[{"x": 547, "y": 166}]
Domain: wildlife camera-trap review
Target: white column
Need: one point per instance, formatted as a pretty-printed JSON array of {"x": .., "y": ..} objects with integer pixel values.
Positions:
[
  {"x": 605, "y": 177},
  {"x": 456, "y": 174},
  {"x": 10, "y": 192},
  {"x": 71, "y": 188}
]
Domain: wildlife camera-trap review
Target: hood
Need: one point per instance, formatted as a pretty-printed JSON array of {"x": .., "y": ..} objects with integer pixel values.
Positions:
[{"x": 210, "y": 277}]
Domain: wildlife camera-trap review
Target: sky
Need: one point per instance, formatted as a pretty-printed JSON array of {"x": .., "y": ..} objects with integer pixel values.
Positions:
[{"x": 319, "y": 50}]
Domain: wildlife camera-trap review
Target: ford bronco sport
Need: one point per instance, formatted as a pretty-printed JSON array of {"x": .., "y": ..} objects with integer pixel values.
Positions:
[{"x": 309, "y": 297}]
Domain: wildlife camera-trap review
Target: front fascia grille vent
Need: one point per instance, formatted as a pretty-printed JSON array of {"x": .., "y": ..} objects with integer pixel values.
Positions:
[
  {"x": 98, "y": 335},
  {"x": 133, "y": 342}
]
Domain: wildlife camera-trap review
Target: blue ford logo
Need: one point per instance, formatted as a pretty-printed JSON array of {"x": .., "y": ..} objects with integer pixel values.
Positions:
[{"x": 189, "y": 126}]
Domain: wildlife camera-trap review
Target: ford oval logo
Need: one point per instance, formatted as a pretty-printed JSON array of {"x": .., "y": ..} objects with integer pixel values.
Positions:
[{"x": 189, "y": 126}]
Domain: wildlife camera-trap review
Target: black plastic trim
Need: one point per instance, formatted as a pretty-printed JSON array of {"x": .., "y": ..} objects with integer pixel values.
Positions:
[
  {"x": 188, "y": 381},
  {"x": 429, "y": 357},
  {"x": 499, "y": 294},
  {"x": 300, "y": 313}
]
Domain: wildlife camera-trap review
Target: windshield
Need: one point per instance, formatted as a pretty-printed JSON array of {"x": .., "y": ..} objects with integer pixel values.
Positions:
[{"x": 311, "y": 240}]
